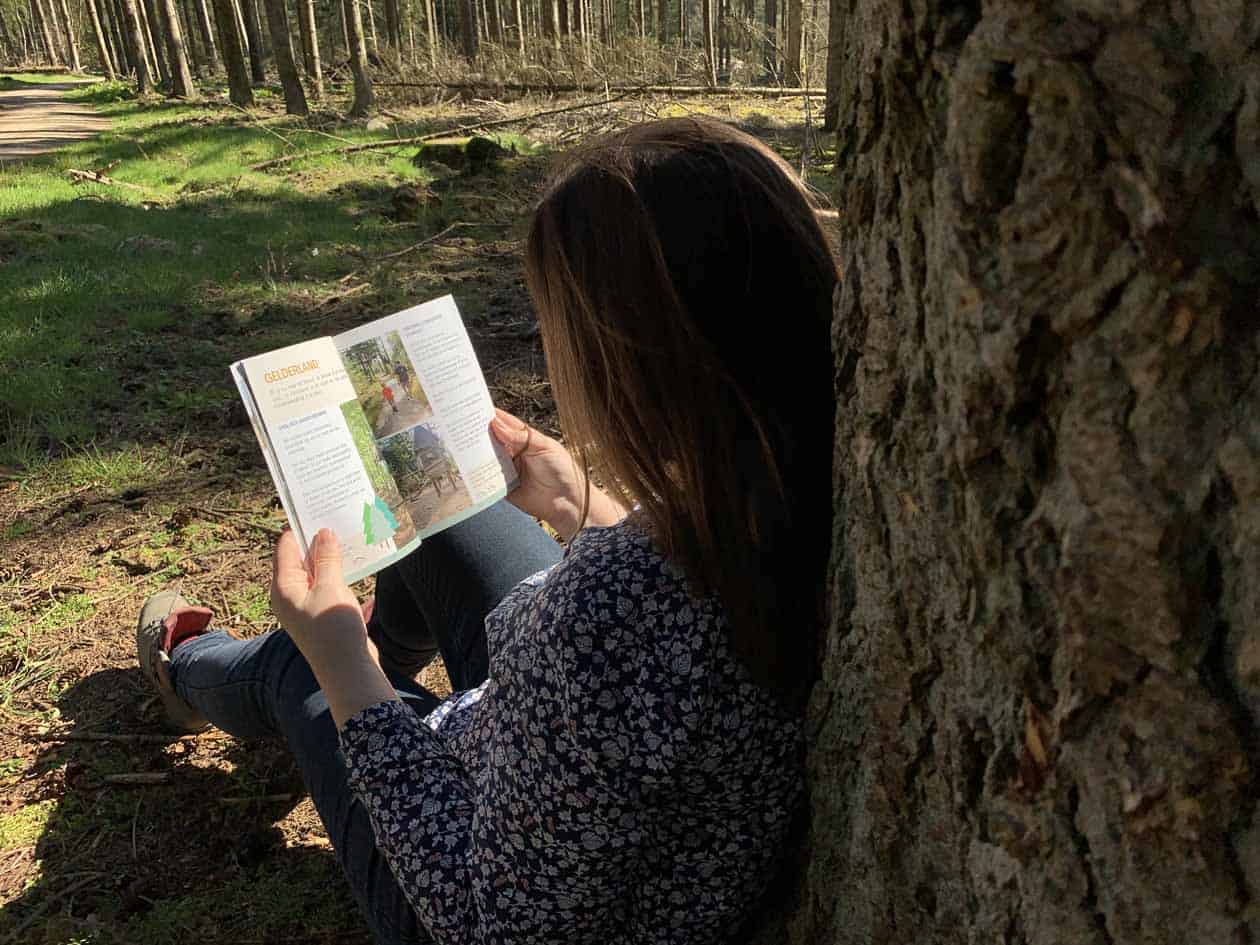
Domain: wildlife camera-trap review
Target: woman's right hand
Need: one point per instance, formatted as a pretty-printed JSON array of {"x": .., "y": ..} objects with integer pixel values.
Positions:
[{"x": 551, "y": 483}]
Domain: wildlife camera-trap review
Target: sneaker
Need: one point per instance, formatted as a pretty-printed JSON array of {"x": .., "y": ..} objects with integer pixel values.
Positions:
[{"x": 166, "y": 620}]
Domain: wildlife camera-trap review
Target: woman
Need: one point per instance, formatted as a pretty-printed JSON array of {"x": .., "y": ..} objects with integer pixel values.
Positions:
[{"x": 623, "y": 754}]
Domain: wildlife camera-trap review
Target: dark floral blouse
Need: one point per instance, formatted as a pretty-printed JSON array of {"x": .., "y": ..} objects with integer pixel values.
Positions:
[{"x": 619, "y": 777}]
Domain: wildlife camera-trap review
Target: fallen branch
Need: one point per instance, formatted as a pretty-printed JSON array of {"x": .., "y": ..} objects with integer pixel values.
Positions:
[
  {"x": 136, "y": 738},
  {"x": 96, "y": 177},
  {"x": 764, "y": 91},
  {"x": 433, "y": 135}
]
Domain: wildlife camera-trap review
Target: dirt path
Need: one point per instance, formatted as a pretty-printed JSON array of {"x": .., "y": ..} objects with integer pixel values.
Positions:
[{"x": 37, "y": 119}]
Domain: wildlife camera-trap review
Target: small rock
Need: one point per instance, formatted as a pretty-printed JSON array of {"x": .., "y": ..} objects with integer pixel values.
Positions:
[{"x": 377, "y": 124}]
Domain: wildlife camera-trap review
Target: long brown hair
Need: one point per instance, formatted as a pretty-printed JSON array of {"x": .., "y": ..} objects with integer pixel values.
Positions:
[{"x": 683, "y": 287}]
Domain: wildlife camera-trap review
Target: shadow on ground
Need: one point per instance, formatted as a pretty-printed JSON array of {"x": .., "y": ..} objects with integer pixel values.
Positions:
[{"x": 202, "y": 855}]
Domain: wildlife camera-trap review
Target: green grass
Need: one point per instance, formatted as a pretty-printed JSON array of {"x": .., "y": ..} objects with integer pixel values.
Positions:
[
  {"x": 124, "y": 305},
  {"x": 23, "y": 827}
]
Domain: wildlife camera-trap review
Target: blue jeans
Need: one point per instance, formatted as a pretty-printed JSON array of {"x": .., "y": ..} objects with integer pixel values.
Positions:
[{"x": 434, "y": 600}]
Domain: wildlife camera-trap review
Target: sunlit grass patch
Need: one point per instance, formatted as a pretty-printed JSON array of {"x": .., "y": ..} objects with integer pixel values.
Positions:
[{"x": 23, "y": 826}]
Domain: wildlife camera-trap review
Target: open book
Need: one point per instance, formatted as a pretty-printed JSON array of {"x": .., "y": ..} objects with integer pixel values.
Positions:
[{"x": 381, "y": 433}]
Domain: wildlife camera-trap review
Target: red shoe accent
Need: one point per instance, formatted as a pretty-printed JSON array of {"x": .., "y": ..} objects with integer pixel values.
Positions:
[{"x": 183, "y": 625}]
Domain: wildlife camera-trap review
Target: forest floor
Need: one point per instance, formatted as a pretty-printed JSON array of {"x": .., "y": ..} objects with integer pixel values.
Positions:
[{"x": 127, "y": 465}]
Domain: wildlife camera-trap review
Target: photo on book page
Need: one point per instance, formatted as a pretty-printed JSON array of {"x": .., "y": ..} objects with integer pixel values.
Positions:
[
  {"x": 432, "y": 487},
  {"x": 384, "y": 517},
  {"x": 387, "y": 384}
]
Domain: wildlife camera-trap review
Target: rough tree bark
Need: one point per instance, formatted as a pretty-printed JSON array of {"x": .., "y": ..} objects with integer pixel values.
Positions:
[
  {"x": 706, "y": 37},
  {"x": 1037, "y": 719},
  {"x": 232, "y": 48}
]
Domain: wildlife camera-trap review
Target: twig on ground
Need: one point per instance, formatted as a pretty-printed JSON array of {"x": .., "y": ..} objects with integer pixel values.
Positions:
[
  {"x": 425, "y": 242},
  {"x": 258, "y": 799},
  {"x": 459, "y": 129},
  {"x": 138, "y": 778}
]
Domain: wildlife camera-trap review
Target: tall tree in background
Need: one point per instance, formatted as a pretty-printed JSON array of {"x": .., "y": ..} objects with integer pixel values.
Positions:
[
  {"x": 249, "y": 21},
  {"x": 40, "y": 22},
  {"x": 153, "y": 33},
  {"x": 102, "y": 46},
  {"x": 1040, "y": 696},
  {"x": 710, "y": 58},
  {"x": 281, "y": 44},
  {"x": 135, "y": 44},
  {"x": 310, "y": 43},
  {"x": 770, "y": 42},
  {"x": 363, "y": 97},
  {"x": 182, "y": 84},
  {"x": 207, "y": 34},
  {"x": 468, "y": 28},
  {"x": 835, "y": 44},
  {"x": 792, "y": 49},
  {"x": 72, "y": 44},
  {"x": 231, "y": 47}
]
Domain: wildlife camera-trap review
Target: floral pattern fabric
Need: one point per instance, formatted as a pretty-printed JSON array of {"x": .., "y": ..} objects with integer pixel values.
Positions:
[{"x": 619, "y": 778}]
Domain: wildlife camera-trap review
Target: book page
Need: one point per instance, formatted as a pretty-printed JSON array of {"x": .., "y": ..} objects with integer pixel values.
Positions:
[
  {"x": 330, "y": 472},
  {"x": 425, "y": 398}
]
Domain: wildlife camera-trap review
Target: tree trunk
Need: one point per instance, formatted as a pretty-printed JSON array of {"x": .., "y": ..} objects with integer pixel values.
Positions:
[
  {"x": 662, "y": 22},
  {"x": 249, "y": 19},
  {"x": 134, "y": 29},
  {"x": 53, "y": 17},
  {"x": 232, "y": 48},
  {"x": 520, "y": 27},
  {"x": 6, "y": 40},
  {"x": 182, "y": 84},
  {"x": 363, "y": 97},
  {"x": 468, "y": 29},
  {"x": 188, "y": 22},
  {"x": 710, "y": 64},
  {"x": 371, "y": 15},
  {"x": 114, "y": 36},
  {"x": 835, "y": 44},
  {"x": 44, "y": 33},
  {"x": 792, "y": 49},
  {"x": 282, "y": 47},
  {"x": 102, "y": 46},
  {"x": 430, "y": 25},
  {"x": 310, "y": 46},
  {"x": 153, "y": 33},
  {"x": 207, "y": 35},
  {"x": 770, "y": 50},
  {"x": 1038, "y": 710},
  {"x": 123, "y": 27},
  {"x": 72, "y": 44}
]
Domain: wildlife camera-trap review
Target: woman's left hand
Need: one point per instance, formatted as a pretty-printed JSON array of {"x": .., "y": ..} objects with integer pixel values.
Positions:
[{"x": 322, "y": 616}]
